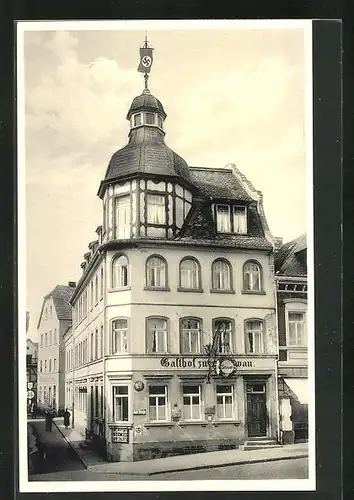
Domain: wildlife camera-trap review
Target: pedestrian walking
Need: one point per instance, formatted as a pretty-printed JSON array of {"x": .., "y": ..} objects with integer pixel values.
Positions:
[
  {"x": 66, "y": 418},
  {"x": 48, "y": 421}
]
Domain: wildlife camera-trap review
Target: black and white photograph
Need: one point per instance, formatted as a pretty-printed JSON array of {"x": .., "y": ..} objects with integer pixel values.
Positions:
[{"x": 166, "y": 283}]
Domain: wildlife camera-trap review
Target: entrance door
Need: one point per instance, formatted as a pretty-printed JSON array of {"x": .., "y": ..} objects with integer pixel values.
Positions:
[{"x": 256, "y": 411}]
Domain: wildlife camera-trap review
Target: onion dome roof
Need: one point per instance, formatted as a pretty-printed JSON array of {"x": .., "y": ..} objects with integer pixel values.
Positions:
[{"x": 146, "y": 101}]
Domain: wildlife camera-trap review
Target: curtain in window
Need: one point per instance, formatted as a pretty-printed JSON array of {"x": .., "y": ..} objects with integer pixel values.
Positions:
[
  {"x": 296, "y": 328},
  {"x": 223, "y": 218},
  {"x": 240, "y": 221},
  {"x": 156, "y": 335},
  {"x": 123, "y": 217},
  {"x": 156, "y": 209},
  {"x": 120, "y": 272},
  {"x": 254, "y": 337},
  {"x": 251, "y": 277},
  {"x": 156, "y": 272},
  {"x": 190, "y": 335},
  {"x": 120, "y": 335},
  {"x": 224, "y": 327},
  {"x": 189, "y": 274},
  {"x": 221, "y": 276}
]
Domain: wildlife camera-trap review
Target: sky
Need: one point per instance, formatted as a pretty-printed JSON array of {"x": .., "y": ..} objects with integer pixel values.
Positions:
[{"x": 231, "y": 96}]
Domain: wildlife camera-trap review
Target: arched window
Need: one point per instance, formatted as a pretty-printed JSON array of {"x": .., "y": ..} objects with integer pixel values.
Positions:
[
  {"x": 156, "y": 272},
  {"x": 156, "y": 334},
  {"x": 120, "y": 272},
  {"x": 120, "y": 336},
  {"x": 189, "y": 273},
  {"x": 252, "y": 277},
  {"x": 223, "y": 334},
  {"x": 254, "y": 340},
  {"x": 190, "y": 335},
  {"x": 221, "y": 275}
]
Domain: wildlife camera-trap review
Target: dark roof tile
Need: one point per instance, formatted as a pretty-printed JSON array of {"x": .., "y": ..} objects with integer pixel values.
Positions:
[
  {"x": 219, "y": 184},
  {"x": 289, "y": 259}
]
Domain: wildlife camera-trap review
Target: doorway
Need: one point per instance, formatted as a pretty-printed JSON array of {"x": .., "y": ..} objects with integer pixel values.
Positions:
[{"x": 256, "y": 409}]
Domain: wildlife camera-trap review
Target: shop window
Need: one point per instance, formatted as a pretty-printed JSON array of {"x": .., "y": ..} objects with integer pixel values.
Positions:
[
  {"x": 156, "y": 335},
  {"x": 296, "y": 328},
  {"x": 252, "y": 277},
  {"x": 156, "y": 211},
  {"x": 123, "y": 217},
  {"x": 120, "y": 268},
  {"x": 190, "y": 335},
  {"x": 223, "y": 332},
  {"x": 158, "y": 403},
  {"x": 156, "y": 272},
  {"x": 254, "y": 337},
  {"x": 191, "y": 402},
  {"x": 221, "y": 275},
  {"x": 224, "y": 402},
  {"x": 120, "y": 336},
  {"x": 120, "y": 403},
  {"x": 189, "y": 273}
]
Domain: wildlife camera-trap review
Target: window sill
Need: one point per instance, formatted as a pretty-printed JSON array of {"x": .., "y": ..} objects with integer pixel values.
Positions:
[
  {"x": 253, "y": 292},
  {"x": 221, "y": 422},
  {"x": 159, "y": 424},
  {"x": 215, "y": 290},
  {"x": 157, "y": 289},
  {"x": 119, "y": 289},
  {"x": 203, "y": 423},
  {"x": 192, "y": 290}
]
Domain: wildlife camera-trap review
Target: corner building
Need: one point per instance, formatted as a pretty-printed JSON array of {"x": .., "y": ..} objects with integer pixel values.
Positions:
[{"x": 181, "y": 253}]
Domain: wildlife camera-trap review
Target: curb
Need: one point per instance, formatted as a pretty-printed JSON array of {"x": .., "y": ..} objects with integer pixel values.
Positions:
[
  {"x": 200, "y": 467},
  {"x": 72, "y": 447}
]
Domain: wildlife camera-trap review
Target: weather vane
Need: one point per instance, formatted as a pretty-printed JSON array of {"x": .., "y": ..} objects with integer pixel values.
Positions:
[{"x": 146, "y": 59}]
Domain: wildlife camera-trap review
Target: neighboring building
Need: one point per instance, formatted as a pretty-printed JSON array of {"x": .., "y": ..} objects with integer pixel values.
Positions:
[
  {"x": 291, "y": 277},
  {"x": 182, "y": 253},
  {"x": 55, "y": 318},
  {"x": 31, "y": 373}
]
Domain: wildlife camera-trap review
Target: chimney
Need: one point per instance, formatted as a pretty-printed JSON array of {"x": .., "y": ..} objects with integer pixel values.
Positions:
[{"x": 72, "y": 284}]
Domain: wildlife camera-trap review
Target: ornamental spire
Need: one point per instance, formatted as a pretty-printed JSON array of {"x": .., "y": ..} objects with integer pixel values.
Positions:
[{"x": 146, "y": 59}]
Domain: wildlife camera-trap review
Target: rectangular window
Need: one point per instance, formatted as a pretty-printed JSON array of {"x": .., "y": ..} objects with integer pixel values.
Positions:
[
  {"x": 91, "y": 301},
  {"x": 149, "y": 118},
  {"x": 120, "y": 336},
  {"x": 240, "y": 220},
  {"x": 158, "y": 403},
  {"x": 224, "y": 401},
  {"x": 96, "y": 289},
  {"x": 45, "y": 365},
  {"x": 120, "y": 403},
  {"x": 40, "y": 394},
  {"x": 50, "y": 337},
  {"x": 123, "y": 217},
  {"x": 101, "y": 348},
  {"x": 101, "y": 290},
  {"x": 156, "y": 335},
  {"x": 191, "y": 402},
  {"x": 296, "y": 324},
  {"x": 223, "y": 218},
  {"x": 159, "y": 121},
  {"x": 190, "y": 336},
  {"x": 40, "y": 366},
  {"x": 41, "y": 339},
  {"x": 46, "y": 339},
  {"x": 45, "y": 394},
  {"x": 54, "y": 365},
  {"x": 96, "y": 344},
  {"x": 137, "y": 120},
  {"x": 156, "y": 209},
  {"x": 223, "y": 335},
  {"x": 254, "y": 337}
]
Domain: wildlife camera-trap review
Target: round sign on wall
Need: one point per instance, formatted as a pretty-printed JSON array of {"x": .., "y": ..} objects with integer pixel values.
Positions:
[
  {"x": 227, "y": 367},
  {"x": 139, "y": 385},
  {"x": 30, "y": 394}
]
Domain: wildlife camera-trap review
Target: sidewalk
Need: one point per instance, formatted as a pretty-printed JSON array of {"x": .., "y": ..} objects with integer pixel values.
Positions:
[{"x": 179, "y": 463}]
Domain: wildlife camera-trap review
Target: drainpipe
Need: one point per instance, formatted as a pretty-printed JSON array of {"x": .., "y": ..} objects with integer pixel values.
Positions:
[
  {"x": 277, "y": 350},
  {"x": 104, "y": 353},
  {"x": 73, "y": 381}
]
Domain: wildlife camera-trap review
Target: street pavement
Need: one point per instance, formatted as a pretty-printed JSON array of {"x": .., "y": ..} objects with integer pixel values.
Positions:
[
  {"x": 63, "y": 464},
  {"x": 282, "y": 469}
]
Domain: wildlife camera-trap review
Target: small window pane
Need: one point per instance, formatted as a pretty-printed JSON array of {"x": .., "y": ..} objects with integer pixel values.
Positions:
[
  {"x": 149, "y": 118},
  {"x": 157, "y": 389},
  {"x": 137, "y": 120}
]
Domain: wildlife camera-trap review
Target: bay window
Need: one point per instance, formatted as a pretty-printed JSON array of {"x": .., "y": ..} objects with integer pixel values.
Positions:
[{"x": 156, "y": 212}]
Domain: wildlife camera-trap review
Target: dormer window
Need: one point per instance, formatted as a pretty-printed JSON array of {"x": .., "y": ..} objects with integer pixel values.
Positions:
[{"x": 231, "y": 219}]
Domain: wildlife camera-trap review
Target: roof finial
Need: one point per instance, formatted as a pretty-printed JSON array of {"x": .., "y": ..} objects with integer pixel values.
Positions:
[{"x": 146, "y": 59}]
